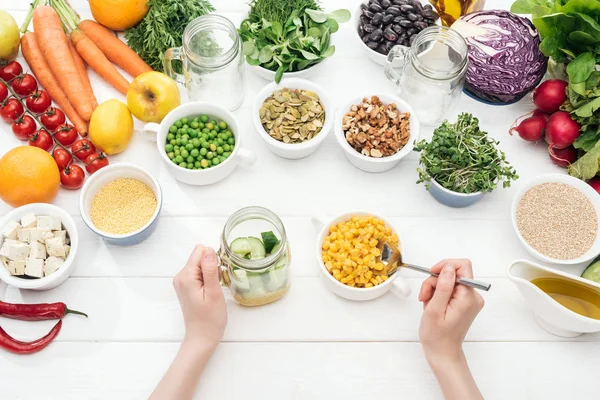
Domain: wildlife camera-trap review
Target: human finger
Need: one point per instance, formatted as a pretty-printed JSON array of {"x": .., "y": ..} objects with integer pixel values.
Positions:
[
  {"x": 463, "y": 266},
  {"x": 210, "y": 271},
  {"x": 443, "y": 290},
  {"x": 427, "y": 289}
]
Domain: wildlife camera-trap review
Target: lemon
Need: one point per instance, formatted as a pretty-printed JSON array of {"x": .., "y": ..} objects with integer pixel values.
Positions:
[
  {"x": 111, "y": 127},
  {"x": 9, "y": 36}
]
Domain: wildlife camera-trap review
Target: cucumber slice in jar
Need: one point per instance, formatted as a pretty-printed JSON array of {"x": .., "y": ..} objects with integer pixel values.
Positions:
[
  {"x": 257, "y": 248},
  {"x": 241, "y": 247},
  {"x": 270, "y": 240},
  {"x": 241, "y": 280}
]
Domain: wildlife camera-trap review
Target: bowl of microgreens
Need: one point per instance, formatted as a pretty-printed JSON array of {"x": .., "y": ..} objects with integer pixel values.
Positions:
[
  {"x": 288, "y": 37},
  {"x": 461, "y": 163}
]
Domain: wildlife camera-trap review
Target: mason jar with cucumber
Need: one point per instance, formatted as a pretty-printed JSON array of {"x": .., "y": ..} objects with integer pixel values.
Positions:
[{"x": 255, "y": 256}]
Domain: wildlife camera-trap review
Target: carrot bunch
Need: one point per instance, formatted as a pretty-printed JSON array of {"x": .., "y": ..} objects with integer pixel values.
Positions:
[{"x": 59, "y": 49}]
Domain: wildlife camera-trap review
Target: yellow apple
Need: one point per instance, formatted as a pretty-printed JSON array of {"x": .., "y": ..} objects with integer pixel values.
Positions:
[
  {"x": 9, "y": 36},
  {"x": 152, "y": 95}
]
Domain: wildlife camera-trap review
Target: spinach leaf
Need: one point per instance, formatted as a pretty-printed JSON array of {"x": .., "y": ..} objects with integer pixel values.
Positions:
[
  {"x": 581, "y": 68},
  {"x": 587, "y": 166}
]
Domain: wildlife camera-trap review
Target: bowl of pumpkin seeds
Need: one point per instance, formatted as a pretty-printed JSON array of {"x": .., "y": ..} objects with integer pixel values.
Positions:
[{"x": 292, "y": 117}]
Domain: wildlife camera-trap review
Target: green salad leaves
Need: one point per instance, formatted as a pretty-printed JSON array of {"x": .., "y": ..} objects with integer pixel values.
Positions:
[{"x": 289, "y": 35}]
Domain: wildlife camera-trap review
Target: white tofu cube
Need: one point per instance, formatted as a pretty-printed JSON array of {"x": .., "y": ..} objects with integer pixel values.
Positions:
[
  {"x": 11, "y": 229},
  {"x": 16, "y": 267},
  {"x": 41, "y": 236},
  {"x": 67, "y": 251},
  {"x": 24, "y": 235},
  {"x": 48, "y": 223},
  {"x": 55, "y": 247},
  {"x": 62, "y": 235},
  {"x": 18, "y": 252},
  {"x": 34, "y": 267},
  {"x": 52, "y": 264},
  {"x": 29, "y": 221},
  {"x": 4, "y": 250},
  {"x": 37, "y": 250}
]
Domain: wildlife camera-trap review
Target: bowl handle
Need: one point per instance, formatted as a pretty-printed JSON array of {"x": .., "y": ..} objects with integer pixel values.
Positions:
[
  {"x": 247, "y": 158},
  {"x": 400, "y": 287},
  {"x": 151, "y": 129},
  {"x": 319, "y": 220}
]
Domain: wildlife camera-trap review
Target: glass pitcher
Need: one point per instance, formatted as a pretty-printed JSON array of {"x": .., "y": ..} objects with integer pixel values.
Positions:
[
  {"x": 262, "y": 275},
  {"x": 213, "y": 65},
  {"x": 430, "y": 75}
]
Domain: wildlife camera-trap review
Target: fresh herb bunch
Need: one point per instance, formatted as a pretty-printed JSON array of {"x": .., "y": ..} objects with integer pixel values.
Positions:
[
  {"x": 162, "y": 28},
  {"x": 288, "y": 35},
  {"x": 464, "y": 159}
]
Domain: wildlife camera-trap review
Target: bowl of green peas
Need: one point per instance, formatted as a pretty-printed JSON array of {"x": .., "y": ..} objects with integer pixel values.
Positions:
[{"x": 200, "y": 143}]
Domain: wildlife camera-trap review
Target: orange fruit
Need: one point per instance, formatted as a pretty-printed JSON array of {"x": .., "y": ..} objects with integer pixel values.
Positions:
[
  {"x": 28, "y": 175},
  {"x": 118, "y": 15}
]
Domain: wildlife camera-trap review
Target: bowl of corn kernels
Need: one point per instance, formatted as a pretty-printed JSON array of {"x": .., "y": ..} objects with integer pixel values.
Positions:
[{"x": 348, "y": 256}]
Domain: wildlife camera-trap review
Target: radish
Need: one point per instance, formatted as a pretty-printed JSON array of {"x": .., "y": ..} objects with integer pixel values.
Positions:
[
  {"x": 550, "y": 95},
  {"x": 595, "y": 183},
  {"x": 563, "y": 157},
  {"x": 539, "y": 113},
  {"x": 530, "y": 129},
  {"x": 561, "y": 130}
]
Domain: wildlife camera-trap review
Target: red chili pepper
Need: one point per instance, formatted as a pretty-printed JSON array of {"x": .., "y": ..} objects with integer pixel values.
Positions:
[
  {"x": 36, "y": 312},
  {"x": 13, "y": 345}
]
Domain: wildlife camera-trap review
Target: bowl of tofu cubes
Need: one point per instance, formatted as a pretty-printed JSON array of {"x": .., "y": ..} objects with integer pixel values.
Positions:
[{"x": 38, "y": 245}]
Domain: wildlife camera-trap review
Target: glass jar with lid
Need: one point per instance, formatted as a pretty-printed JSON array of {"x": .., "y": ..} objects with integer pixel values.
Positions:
[
  {"x": 212, "y": 62},
  {"x": 255, "y": 256}
]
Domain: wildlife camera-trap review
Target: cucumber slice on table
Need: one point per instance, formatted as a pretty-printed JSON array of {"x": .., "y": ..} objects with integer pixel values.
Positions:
[
  {"x": 241, "y": 247},
  {"x": 592, "y": 272},
  {"x": 257, "y": 248}
]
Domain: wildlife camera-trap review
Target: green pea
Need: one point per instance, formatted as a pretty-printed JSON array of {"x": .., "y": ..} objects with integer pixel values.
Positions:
[
  {"x": 197, "y": 165},
  {"x": 219, "y": 150},
  {"x": 210, "y": 155},
  {"x": 178, "y": 124},
  {"x": 171, "y": 155},
  {"x": 205, "y": 145},
  {"x": 177, "y": 152},
  {"x": 217, "y": 129},
  {"x": 194, "y": 153},
  {"x": 215, "y": 161},
  {"x": 196, "y": 119},
  {"x": 183, "y": 141},
  {"x": 226, "y": 154},
  {"x": 178, "y": 142},
  {"x": 173, "y": 129},
  {"x": 194, "y": 134},
  {"x": 222, "y": 159},
  {"x": 183, "y": 164},
  {"x": 184, "y": 120},
  {"x": 170, "y": 136},
  {"x": 190, "y": 160},
  {"x": 212, "y": 121},
  {"x": 226, "y": 147},
  {"x": 204, "y": 118},
  {"x": 205, "y": 130},
  {"x": 194, "y": 124},
  {"x": 213, "y": 147},
  {"x": 204, "y": 163},
  {"x": 231, "y": 141},
  {"x": 178, "y": 159},
  {"x": 223, "y": 125},
  {"x": 203, "y": 152},
  {"x": 169, "y": 148},
  {"x": 185, "y": 153},
  {"x": 173, "y": 142},
  {"x": 220, "y": 141},
  {"x": 201, "y": 125},
  {"x": 210, "y": 126},
  {"x": 211, "y": 135}
]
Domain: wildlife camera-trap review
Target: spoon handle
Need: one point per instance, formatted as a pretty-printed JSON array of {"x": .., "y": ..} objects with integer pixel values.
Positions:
[{"x": 463, "y": 281}]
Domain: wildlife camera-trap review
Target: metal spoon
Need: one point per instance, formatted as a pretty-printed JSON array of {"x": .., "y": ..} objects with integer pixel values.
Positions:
[{"x": 391, "y": 258}]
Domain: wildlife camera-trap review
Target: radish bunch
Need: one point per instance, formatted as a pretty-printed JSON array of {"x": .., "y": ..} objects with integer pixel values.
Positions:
[{"x": 559, "y": 130}]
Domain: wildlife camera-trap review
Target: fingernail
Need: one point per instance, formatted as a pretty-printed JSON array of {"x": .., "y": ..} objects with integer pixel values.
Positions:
[
  {"x": 209, "y": 255},
  {"x": 448, "y": 270}
]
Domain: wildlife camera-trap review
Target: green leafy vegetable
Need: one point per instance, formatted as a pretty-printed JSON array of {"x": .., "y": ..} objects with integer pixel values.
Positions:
[
  {"x": 462, "y": 158},
  {"x": 289, "y": 35},
  {"x": 587, "y": 166},
  {"x": 163, "y": 28}
]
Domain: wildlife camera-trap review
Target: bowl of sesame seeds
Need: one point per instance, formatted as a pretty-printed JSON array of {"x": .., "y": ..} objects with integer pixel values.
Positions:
[
  {"x": 555, "y": 217},
  {"x": 121, "y": 203}
]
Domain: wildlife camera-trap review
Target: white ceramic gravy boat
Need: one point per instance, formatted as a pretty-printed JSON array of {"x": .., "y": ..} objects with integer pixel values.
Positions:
[{"x": 551, "y": 315}]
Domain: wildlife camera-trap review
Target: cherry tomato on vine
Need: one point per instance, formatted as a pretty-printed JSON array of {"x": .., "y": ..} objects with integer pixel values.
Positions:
[
  {"x": 10, "y": 110},
  {"x": 38, "y": 101},
  {"x": 41, "y": 139},
  {"x": 24, "y": 85},
  {"x": 95, "y": 161},
  {"x": 62, "y": 157},
  {"x": 23, "y": 127},
  {"x": 52, "y": 118},
  {"x": 82, "y": 148},
  {"x": 10, "y": 70},
  {"x": 72, "y": 177},
  {"x": 3, "y": 92},
  {"x": 65, "y": 134}
]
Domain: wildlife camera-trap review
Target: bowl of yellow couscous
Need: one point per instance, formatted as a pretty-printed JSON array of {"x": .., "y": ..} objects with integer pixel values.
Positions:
[
  {"x": 121, "y": 203},
  {"x": 347, "y": 253}
]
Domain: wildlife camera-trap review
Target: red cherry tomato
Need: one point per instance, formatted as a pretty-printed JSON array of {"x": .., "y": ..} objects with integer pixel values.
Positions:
[
  {"x": 65, "y": 134},
  {"x": 62, "y": 157},
  {"x": 95, "y": 161},
  {"x": 10, "y": 70},
  {"x": 52, "y": 118},
  {"x": 10, "y": 110},
  {"x": 3, "y": 92},
  {"x": 38, "y": 102},
  {"x": 72, "y": 177},
  {"x": 24, "y": 127},
  {"x": 24, "y": 85},
  {"x": 82, "y": 149},
  {"x": 41, "y": 139}
]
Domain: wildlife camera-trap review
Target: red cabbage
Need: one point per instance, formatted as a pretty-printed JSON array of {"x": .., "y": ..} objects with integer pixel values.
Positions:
[{"x": 505, "y": 61}]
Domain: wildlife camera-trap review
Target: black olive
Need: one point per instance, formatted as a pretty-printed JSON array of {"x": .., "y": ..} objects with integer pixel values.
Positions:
[
  {"x": 369, "y": 28},
  {"x": 375, "y": 7},
  {"x": 411, "y": 16},
  {"x": 365, "y": 38},
  {"x": 393, "y": 10},
  {"x": 390, "y": 35},
  {"x": 430, "y": 14},
  {"x": 372, "y": 45},
  {"x": 368, "y": 14},
  {"x": 385, "y": 3},
  {"x": 387, "y": 19},
  {"x": 411, "y": 31},
  {"x": 420, "y": 25},
  {"x": 364, "y": 20},
  {"x": 420, "y": 18},
  {"x": 361, "y": 30},
  {"x": 376, "y": 35},
  {"x": 406, "y": 8},
  {"x": 398, "y": 18},
  {"x": 405, "y": 23},
  {"x": 377, "y": 18},
  {"x": 397, "y": 28}
]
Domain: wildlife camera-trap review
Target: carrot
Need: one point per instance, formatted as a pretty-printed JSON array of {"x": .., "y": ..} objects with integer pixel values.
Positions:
[
  {"x": 94, "y": 57},
  {"x": 114, "y": 49},
  {"x": 85, "y": 79},
  {"x": 34, "y": 57},
  {"x": 52, "y": 42}
]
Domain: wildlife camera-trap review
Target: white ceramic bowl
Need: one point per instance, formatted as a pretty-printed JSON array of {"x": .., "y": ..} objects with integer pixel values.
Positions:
[
  {"x": 453, "y": 199},
  {"x": 586, "y": 189},
  {"x": 60, "y": 275},
  {"x": 305, "y": 73},
  {"x": 371, "y": 164},
  {"x": 293, "y": 150},
  {"x": 395, "y": 282},
  {"x": 108, "y": 174},
  {"x": 209, "y": 175}
]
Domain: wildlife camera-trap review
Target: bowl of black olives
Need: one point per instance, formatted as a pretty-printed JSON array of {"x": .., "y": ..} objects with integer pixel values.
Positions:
[{"x": 383, "y": 24}]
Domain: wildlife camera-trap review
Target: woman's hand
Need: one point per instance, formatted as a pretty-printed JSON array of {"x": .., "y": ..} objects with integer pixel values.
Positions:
[{"x": 201, "y": 298}]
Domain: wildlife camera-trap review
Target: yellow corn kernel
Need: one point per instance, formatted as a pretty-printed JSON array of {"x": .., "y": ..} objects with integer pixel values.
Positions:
[
  {"x": 368, "y": 275},
  {"x": 368, "y": 285}
]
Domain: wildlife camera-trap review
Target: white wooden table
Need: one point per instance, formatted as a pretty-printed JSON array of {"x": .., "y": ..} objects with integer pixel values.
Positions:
[{"x": 311, "y": 344}]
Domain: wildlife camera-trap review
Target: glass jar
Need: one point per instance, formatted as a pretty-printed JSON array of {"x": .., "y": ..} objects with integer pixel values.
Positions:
[
  {"x": 213, "y": 65},
  {"x": 257, "y": 277},
  {"x": 451, "y": 10},
  {"x": 430, "y": 75}
]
